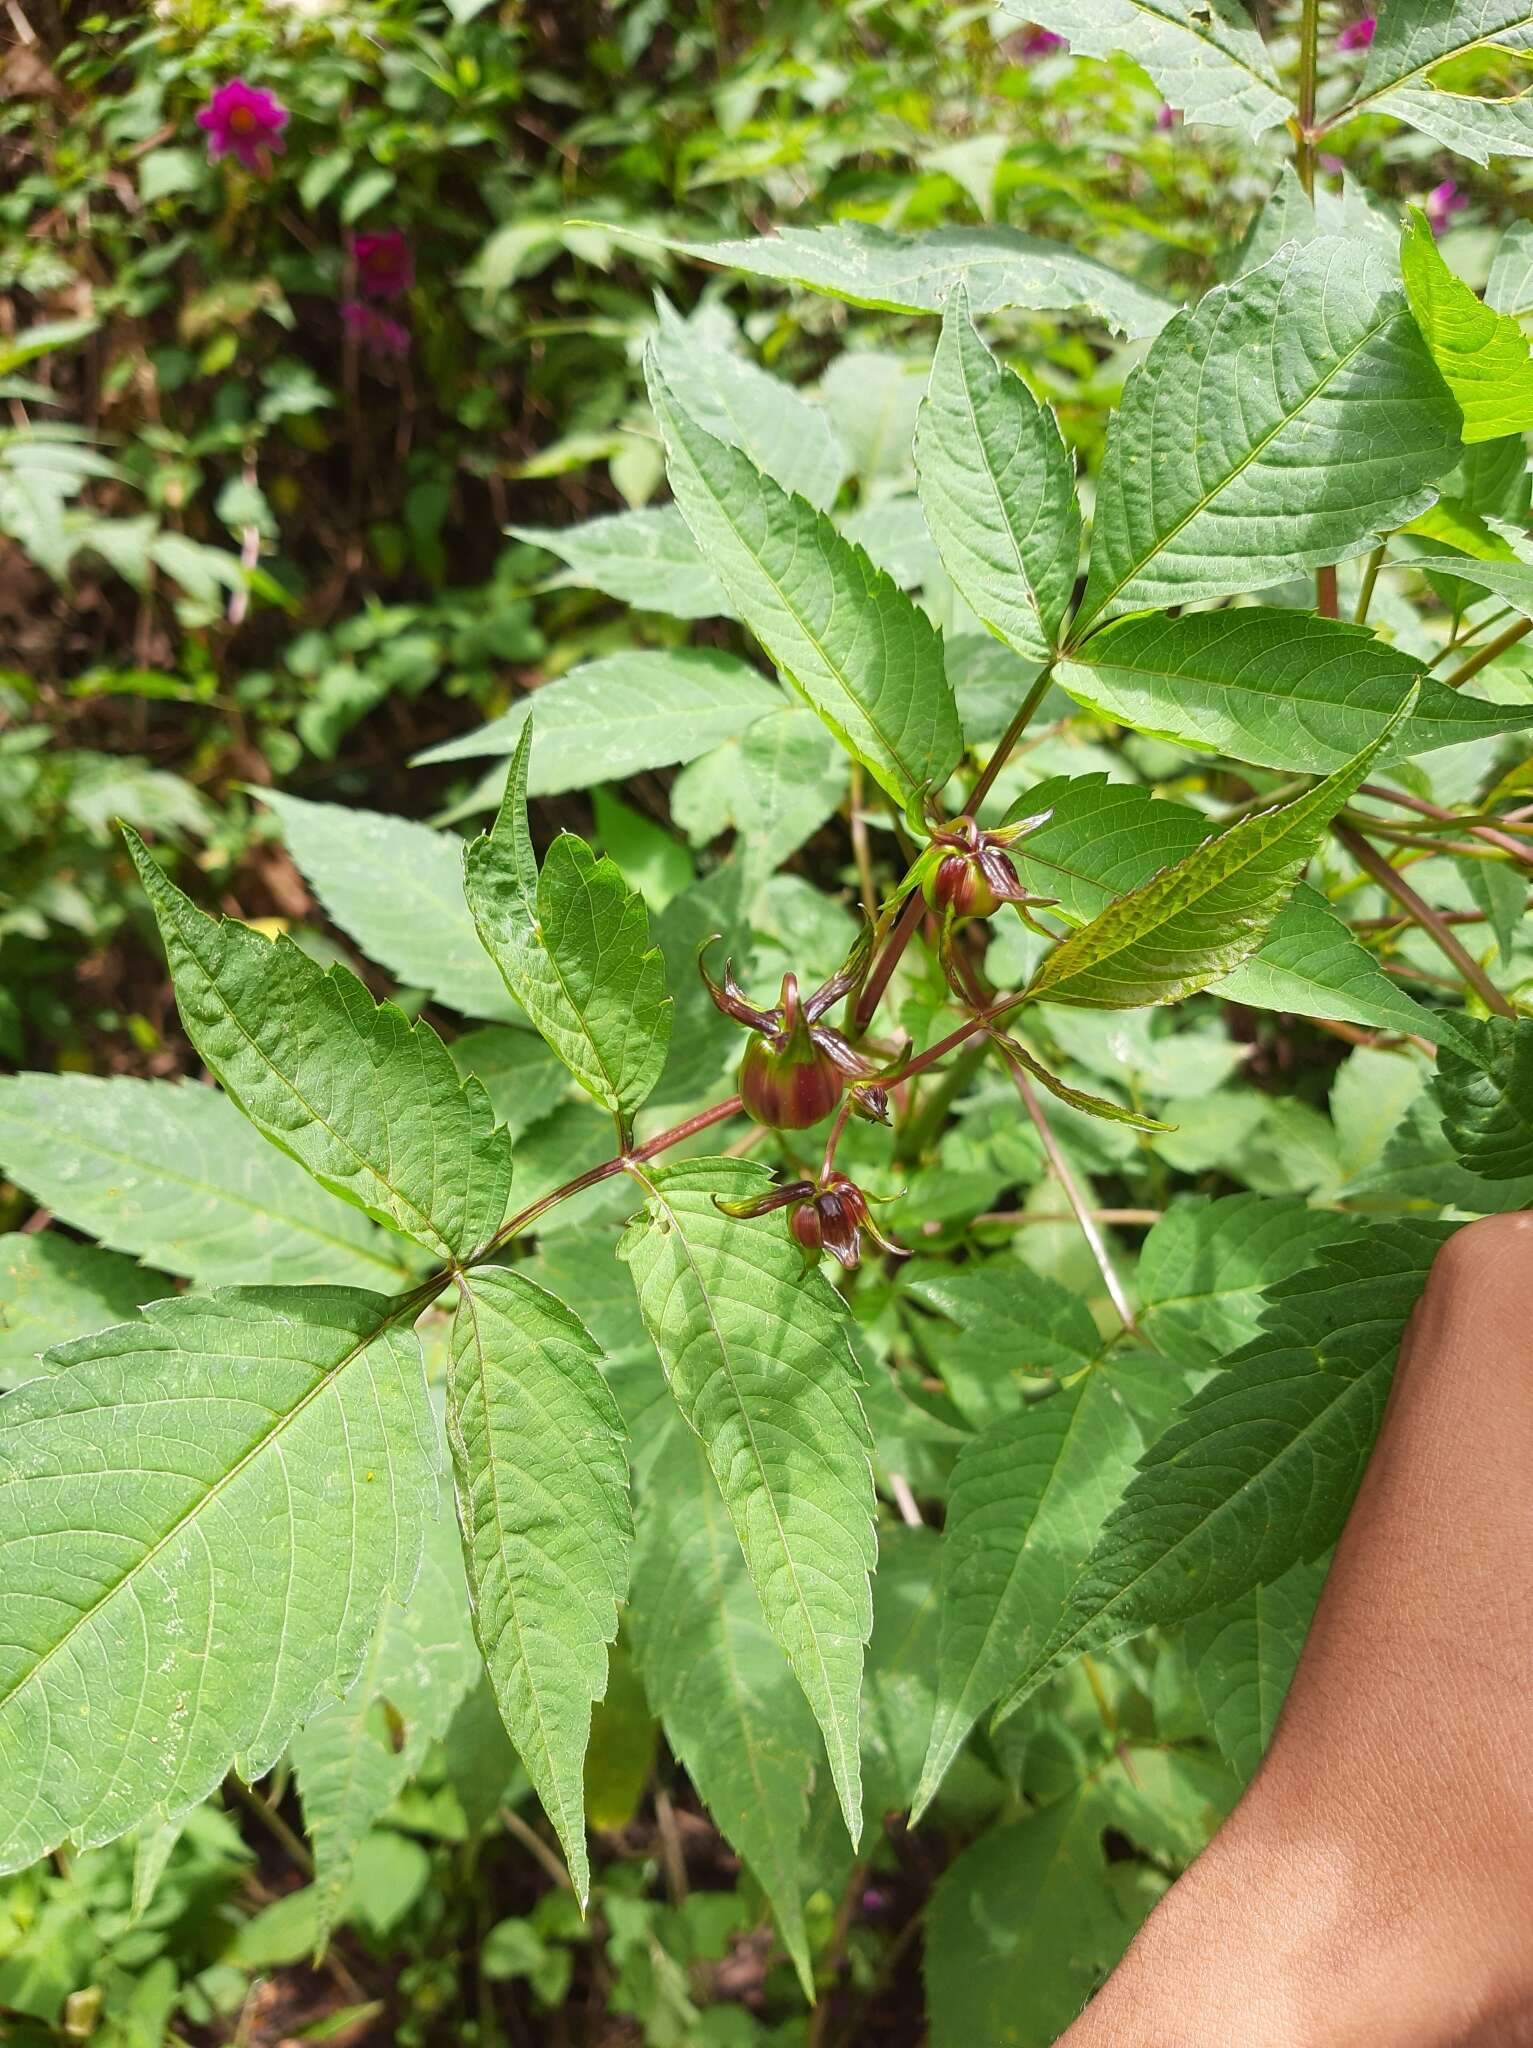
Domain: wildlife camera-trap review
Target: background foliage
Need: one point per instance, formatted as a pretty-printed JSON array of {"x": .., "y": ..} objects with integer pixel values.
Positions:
[{"x": 278, "y": 592}]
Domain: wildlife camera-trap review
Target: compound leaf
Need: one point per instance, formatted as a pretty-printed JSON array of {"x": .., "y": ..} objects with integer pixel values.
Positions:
[
  {"x": 1204, "y": 1267},
  {"x": 1258, "y": 1473},
  {"x": 201, "y": 1512},
  {"x": 367, "y": 1100},
  {"x": 760, "y": 1368},
  {"x": 646, "y": 559},
  {"x": 1027, "y": 1501},
  {"x": 998, "y": 490},
  {"x": 864, "y": 654},
  {"x": 1486, "y": 1096},
  {"x": 573, "y": 944},
  {"x": 1196, "y": 921},
  {"x": 1286, "y": 420},
  {"x": 542, "y": 1483}
]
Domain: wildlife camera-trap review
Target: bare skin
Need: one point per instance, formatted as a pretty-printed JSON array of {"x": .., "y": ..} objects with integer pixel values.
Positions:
[{"x": 1374, "y": 1887}]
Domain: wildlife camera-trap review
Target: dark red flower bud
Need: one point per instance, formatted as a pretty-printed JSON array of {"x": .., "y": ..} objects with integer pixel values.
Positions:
[
  {"x": 969, "y": 873},
  {"x": 789, "y": 1082},
  {"x": 804, "y": 1228}
]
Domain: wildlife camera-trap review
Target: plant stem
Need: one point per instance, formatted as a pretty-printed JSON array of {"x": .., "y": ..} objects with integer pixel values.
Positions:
[
  {"x": 1518, "y": 630},
  {"x": 884, "y": 966},
  {"x": 1309, "y": 56},
  {"x": 1373, "y": 863},
  {"x": 1370, "y": 577},
  {"x": 1079, "y": 1206},
  {"x": 862, "y": 852},
  {"x": 267, "y": 1814},
  {"x": 1488, "y": 833},
  {"x": 1009, "y": 738}
]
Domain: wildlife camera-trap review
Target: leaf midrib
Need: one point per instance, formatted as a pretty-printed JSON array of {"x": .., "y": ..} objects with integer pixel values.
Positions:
[{"x": 1420, "y": 70}]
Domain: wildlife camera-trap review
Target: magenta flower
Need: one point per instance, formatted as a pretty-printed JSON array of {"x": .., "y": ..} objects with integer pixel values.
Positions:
[
  {"x": 244, "y": 121},
  {"x": 1041, "y": 42},
  {"x": 1442, "y": 203},
  {"x": 1357, "y": 35},
  {"x": 1167, "y": 119},
  {"x": 385, "y": 266},
  {"x": 378, "y": 336}
]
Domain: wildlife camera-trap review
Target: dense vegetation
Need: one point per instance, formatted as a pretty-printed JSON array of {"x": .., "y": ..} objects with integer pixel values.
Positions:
[{"x": 817, "y": 717}]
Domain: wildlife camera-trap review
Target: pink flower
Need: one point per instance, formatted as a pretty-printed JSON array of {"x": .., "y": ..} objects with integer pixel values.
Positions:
[
  {"x": 1442, "y": 203},
  {"x": 244, "y": 121},
  {"x": 375, "y": 333},
  {"x": 385, "y": 266},
  {"x": 1357, "y": 35},
  {"x": 1041, "y": 42},
  {"x": 1167, "y": 119}
]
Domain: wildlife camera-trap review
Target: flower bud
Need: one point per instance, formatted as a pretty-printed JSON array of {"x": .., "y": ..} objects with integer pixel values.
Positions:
[
  {"x": 804, "y": 1228},
  {"x": 789, "y": 1083},
  {"x": 961, "y": 885}
]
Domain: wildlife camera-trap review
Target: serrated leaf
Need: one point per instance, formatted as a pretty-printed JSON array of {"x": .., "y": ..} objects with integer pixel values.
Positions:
[
  {"x": 542, "y": 1485},
  {"x": 1200, "y": 919},
  {"x": 175, "y": 1175},
  {"x": 1482, "y": 354},
  {"x": 356, "y": 1755},
  {"x": 623, "y": 714},
  {"x": 573, "y": 945},
  {"x": 773, "y": 787},
  {"x": 998, "y": 490},
  {"x": 53, "y": 1288},
  {"x": 1286, "y": 419},
  {"x": 1027, "y": 1501},
  {"x": 1487, "y": 1099},
  {"x": 758, "y": 1361},
  {"x": 1258, "y": 1473},
  {"x": 369, "y": 1102},
  {"x": 1243, "y": 1657},
  {"x": 732, "y": 1710},
  {"x": 1509, "y": 288},
  {"x": 1512, "y": 581},
  {"x": 1205, "y": 1264},
  {"x": 786, "y": 436},
  {"x": 200, "y": 1514},
  {"x": 419, "y": 926},
  {"x": 1415, "y": 35},
  {"x": 1001, "y": 266},
  {"x": 1010, "y": 1325},
  {"x": 1282, "y": 689},
  {"x": 1208, "y": 59},
  {"x": 1022, "y": 1928},
  {"x": 1103, "y": 838},
  {"x": 865, "y": 655},
  {"x": 1420, "y": 1168},
  {"x": 646, "y": 559}
]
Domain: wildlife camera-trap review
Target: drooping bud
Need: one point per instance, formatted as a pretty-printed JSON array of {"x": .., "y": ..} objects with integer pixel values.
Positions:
[
  {"x": 793, "y": 1072},
  {"x": 969, "y": 873},
  {"x": 829, "y": 1214}
]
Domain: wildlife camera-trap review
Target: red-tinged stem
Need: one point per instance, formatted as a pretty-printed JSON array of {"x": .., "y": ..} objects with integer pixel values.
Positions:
[
  {"x": 608, "y": 1170},
  {"x": 1488, "y": 833},
  {"x": 1009, "y": 738},
  {"x": 1373, "y": 863},
  {"x": 884, "y": 966}
]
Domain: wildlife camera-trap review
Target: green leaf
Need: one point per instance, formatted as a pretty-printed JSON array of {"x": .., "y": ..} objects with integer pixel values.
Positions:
[
  {"x": 52, "y": 1289},
  {"x": 1208, "y": 60},
  {"x": 1023, "y": 1927},
  {"x": 419, "y": 926},
  {"x": 525, "y": 1079},
  {"x": 866, "y": 657},
  {"x": 1027, "y": 1501},
  {"x": 732, "y": 1710},
  {"x": 1204, "y": 1266},
  {"x": 1415, "y": 35},
  {"x": 1243, "y": 1657},
  {"x": 1260, "y": 1470},
  {"x": 175, "y": 1175},
  {"x": 1483, "y": 355},
  {"x": 1103, "y": 838},
  {"x": 1001, "y": 266},
  {"x": 1196, "y": 921},
  {"x": 646, "y": 559},
  {"x": 369, "y": 1102},
  {"x": 758, "y": 1361},
  {"x": 998, "y": 490},
  {"x": 784, "y": 434},
  {"x": 1282, "y": 689},
  {"x": 1512, "y": 581},
  {"x": 624, "y": 714},
  {"x": 703, "y": 1041},
  {"x": 168, "y": 1612},
  {"x": 1509, "y": 287},
  {"x": 1487, "y": 1099},
  {"x": 1287, "y": 419},
  {"x": 1010, "y": 1325},
  {"x": 356, "y": 1755},
  {"x": 573, "y": 944},
  {"x": 773, "y": 787},
  {"x": 542, "y": 1485}
]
